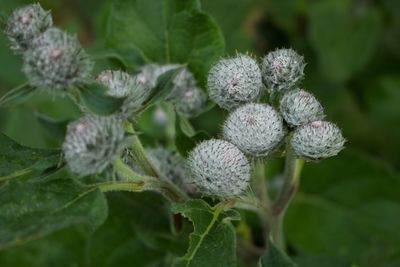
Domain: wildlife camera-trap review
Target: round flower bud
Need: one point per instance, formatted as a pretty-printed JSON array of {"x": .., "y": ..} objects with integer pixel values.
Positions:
[
  {"x": 256, "y": 129},
  {"x": 56, "y": 61},
  {"x": 191, "y": 102},
  {"x": 282, "y": 69},
  {"x": 232, "y": 82},
  {"x": 121, "y": 84},
  {"x": 92, "y": 143},
  {"x": 25, "y": 24},
  {"x": 218, "y": 168},
  {"x": 171, "y": 164},
  {"x": 317, "y": 140},
  {"x": 299, "y": 107}
]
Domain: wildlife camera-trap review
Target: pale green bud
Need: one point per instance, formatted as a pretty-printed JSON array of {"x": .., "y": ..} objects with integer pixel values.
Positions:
[
  {"x": 218, "y": 168},
  {"x": 256, "y": 129}
]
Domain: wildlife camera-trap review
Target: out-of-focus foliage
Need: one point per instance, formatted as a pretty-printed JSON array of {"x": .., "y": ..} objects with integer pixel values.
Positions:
[{"x": 348, "y": 207}]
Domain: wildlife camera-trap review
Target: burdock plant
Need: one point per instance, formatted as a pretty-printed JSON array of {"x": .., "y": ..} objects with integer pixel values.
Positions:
[{"x": 204, "y": 178}]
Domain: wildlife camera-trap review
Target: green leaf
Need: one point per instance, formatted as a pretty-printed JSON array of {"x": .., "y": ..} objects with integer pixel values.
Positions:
[
  {"x": 16, "y": 160},
  {"x": 275, "y": 257},
  {"x": 32, "y": 209},
  {"x": 348, "y": 209},
  {"x": 145, "y": 31},
  {"x": 213, "y": 242},
  {"x": 16, "y": 95},
  {"x": 164, "y": 85},
  {"x": 186, "y": 127},
  {"x": 56, "y": 129},
  {"x": 347, "y": 46},
  {"x": 96, "y": 99}
]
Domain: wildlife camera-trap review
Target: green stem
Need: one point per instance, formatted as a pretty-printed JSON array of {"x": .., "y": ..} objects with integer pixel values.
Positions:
[
  {"x": 140, "y": 157},
  {"x": 259, "y": 187},
  {"x": 293, "y": 167}
]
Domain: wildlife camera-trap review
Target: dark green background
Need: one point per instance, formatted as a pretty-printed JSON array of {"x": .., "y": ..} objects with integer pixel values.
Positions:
[{"x": 347, "y": 212}]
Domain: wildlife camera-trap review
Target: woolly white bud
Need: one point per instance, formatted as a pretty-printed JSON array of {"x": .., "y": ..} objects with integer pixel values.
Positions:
[
  {"x": 234, "y": 81},
  {"x": 282, "y": 69},
  {"x": 256, "y": 129},
  {"x": 55, "y": 62},
  {"x": 299, "y": 107},
  {"x": 25, "y": 24},
  {"x": 92, "y": 143},
  {"x": 218, "y": 168},
  {"x": 191, "y": 102},
  {"x": 121, "y": 84},
  {"x": 317, "y": 140},
  {"x": 171, "y": 164}
]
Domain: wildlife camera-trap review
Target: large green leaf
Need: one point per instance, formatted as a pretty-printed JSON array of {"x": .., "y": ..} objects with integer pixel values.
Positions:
[
  {"x": 16, "y": 95},
  {"x": 343, "y": 39},
  {"x": 16, "y": 159},
  {"x": 32, "y": 209},
  {"x": 348, "y": 209},
  {"x": 145, "y": 31},
  {"x": 213, "y": 241}
]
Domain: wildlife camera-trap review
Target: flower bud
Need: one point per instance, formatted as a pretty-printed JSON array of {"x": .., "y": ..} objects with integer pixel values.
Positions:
[
  {"x": 299, "y": 107},
  {"x": 234, "y": 81},
  {"x": 25, "y": 24},
  {"x": 317, "y": 140},
  {"x": 256, "y": 129},
  {"x": 282, "y": 69},
  {"x": 191, "y": 102},
  {"x": 92, "y": 143},
  {"x": 56, "y": 62},
  {"x": 218, "y": 168},
  {"x": 121, "y": 84}
]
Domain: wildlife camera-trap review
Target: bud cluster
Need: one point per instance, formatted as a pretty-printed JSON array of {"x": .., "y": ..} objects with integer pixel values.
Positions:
[{"x": 53, "y": 60}]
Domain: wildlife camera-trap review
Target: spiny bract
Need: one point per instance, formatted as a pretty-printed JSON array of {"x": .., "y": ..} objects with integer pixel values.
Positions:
[
  {"x": 25, "y": 24},
  {"x": 122, "y": 84},
  {"x": 191, "y": 102},
  {"x": 256, "y": 129},
  {"x": 299, "y": 107},
  {"x": 218, "y": 168},
  {"x": 282, "y": 69},
  {"x": 234, "y": 81},
  {"x": 92, "y": 143},
  {"x": 317, "y": 140},
  {"x": 56, "y": 62}
]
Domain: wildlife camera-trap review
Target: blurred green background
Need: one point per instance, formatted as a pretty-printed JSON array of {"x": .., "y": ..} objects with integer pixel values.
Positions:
[{"x": 347, "y": 212}]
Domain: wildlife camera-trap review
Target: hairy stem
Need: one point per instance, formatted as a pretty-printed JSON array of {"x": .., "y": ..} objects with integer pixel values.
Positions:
[
  {"x": 140, "y": 157},
  {"x": 293, "y": 167}
]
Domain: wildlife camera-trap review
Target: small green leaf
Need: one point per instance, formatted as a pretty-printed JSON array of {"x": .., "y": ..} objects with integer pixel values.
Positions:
[
  {"x": 274, "y": 257},
  {"x": 32, "y": 209},
  {"x": 17, "y": 95},
  {"x": 16, "y": 160},
  {"x": 186, "y": 127},
  {"x": 165, "y": 84},
  {"x": 96, "y": 99},
  {"x": 213, "y": 242}
]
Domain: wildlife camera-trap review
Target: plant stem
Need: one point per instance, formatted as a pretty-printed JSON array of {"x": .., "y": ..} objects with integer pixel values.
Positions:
[
  {"x": 140, "y": 157},
  {"x": 293, "y": 167},
  {"x": 259, "y": 187}
]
